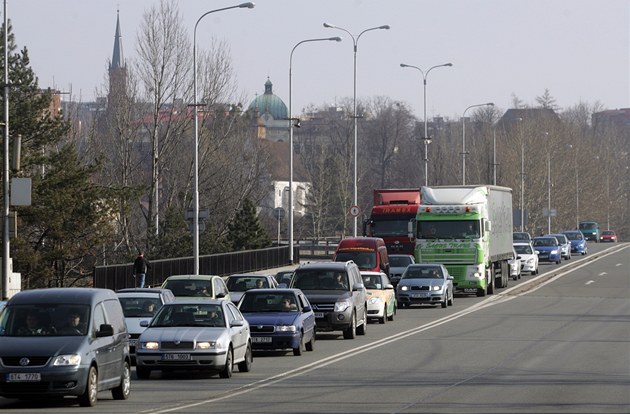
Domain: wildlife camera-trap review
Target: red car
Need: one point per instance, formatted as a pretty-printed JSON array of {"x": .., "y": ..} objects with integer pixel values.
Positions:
[{"x": 608, "y": 236}]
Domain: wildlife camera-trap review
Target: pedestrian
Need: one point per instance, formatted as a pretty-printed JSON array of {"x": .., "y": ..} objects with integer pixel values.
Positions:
[{"x": 140, "y": 267}]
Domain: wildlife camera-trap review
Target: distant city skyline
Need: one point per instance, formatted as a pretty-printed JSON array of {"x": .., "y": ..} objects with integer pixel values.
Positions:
[{"x": 577, "y": 49}]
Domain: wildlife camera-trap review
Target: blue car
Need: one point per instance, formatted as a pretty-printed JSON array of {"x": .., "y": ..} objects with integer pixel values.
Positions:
[
  {"x": 548, "y": 249},
  {"x": 279, "y": 319},
  {"x": 578, "y": 242}
]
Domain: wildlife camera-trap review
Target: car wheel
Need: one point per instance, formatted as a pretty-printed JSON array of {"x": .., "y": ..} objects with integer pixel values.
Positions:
[
  {"x": 362, "y": 329},
  {"x": 246, "y": 365},
  {"x": 450, "y": 301},
  {"x": 142, "y": 372},
  {"x": 391, "y": 317},
  {"x": 89, "y": 396},
  {"x": 310, "y": 345},
  {"x": 351, "y": 331},
  {"x": 558, "y": 261},
  {"x": 122, "y": 391},
  {"x": 298, "y": 351},
  {"x": 226, "y": 372},
  {"x": 384, "y": 318},
  {"x": 444, "y": 303}
]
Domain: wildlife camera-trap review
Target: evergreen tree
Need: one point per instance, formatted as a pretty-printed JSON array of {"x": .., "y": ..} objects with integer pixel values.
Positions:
[{"x": 246, "y": 232}]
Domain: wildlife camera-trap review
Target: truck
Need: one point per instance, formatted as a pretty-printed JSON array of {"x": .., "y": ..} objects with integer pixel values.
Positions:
[
  {"x": 467, "y": 228},
  {"x": 390, "y": 217},
  {"x": 590, "y": 230}
]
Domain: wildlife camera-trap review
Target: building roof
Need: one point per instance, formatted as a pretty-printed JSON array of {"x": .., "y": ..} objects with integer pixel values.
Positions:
[{"x": 268, "y": 103}]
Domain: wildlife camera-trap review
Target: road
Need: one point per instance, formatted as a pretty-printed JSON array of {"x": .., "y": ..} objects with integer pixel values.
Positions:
[{"x": 560, "y": 345}]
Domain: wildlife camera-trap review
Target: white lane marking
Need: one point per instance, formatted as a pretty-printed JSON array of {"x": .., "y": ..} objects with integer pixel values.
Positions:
[
  {"x": 619, "y": 264},
  {"x": 263, "y": 383},
  {"x": 589, "y": 282},
  {"x": 602, "y": 274}
]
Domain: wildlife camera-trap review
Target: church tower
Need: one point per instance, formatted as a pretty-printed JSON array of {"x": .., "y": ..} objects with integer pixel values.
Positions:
[{"x": 117, "y": 69}]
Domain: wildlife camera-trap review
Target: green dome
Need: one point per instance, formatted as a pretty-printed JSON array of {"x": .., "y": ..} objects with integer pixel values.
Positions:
[{"x": 269, "y": 103}]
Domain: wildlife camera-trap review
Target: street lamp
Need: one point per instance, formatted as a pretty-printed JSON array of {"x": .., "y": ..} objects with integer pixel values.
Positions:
[
  {"x": 426, "y": 138},
  {"x": 577, "y": 189},
  {"x": 548, "y": 186},
  {"x": 355, "y": 41},
  {"x": 336, "y": 39},
  {"x": 464, "y": 138},
  {"x": 248, "y": 5}
]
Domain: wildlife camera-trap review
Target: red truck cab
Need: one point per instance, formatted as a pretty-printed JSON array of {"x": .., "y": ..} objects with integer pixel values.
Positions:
[{"x": 369, "y": 253}]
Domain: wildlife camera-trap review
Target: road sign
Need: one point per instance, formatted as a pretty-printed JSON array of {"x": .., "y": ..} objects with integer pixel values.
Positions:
[
  {"x": 354, "y": 211},
  {"x": 278, "y": 213}
]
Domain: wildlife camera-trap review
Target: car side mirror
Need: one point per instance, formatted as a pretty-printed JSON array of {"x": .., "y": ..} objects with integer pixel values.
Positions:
[
  {"x": 236, "y": 323},
  {"x": 306, "y": 309},
  {"x": 358, "y": 286},
  {"x": 105, "y": 330},
  {"x": 144, "y": 324},
  {"x": 220, "y": 295},
  {"x": 389, "y": 286}
]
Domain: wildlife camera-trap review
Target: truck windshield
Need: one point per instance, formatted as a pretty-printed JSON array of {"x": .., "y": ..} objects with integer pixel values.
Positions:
[
  {"x": 380, "y": 227},
  {"x": 460, "y": 229}
]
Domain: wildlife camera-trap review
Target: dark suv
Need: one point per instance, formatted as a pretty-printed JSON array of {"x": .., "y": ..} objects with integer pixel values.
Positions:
[{"x": 337, "y": 295}]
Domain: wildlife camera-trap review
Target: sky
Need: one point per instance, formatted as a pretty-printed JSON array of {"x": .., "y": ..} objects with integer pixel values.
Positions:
[{"x": 500, "y": 49}]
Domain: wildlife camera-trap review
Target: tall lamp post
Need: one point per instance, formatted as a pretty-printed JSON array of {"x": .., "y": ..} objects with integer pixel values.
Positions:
[
  {"x": 577, "y": 188},
  {"x": 248, "y": 5},
  {"x": 548, "y": 187},
  {"x": 355, "y": 41},
  {"x": 291, "y": 119},
  {"x": 425, "y": 138},
  {"x": 464, "y": 138}
]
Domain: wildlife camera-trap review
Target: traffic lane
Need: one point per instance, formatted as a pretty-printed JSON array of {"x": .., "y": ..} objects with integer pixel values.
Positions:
[
  {"x": 171, "y": 390},
  {"x": 478, "y": 363}
]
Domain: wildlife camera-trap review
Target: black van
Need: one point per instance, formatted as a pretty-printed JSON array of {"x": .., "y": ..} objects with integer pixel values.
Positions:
[{"x": 64, "y": 341}]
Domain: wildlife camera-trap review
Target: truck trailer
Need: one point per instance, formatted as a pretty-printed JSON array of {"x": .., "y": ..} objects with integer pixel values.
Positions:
[
  {"x": 393, "y": 211},
  {"x": 467, "y": 228}
]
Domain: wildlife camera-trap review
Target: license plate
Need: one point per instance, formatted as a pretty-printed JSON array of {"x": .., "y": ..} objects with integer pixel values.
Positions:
[
  {"x": 24, "y": 377},
  {"x": 319, "y": 314},
  {"x": 133, "y": 342},
  {"x": 470, "y": 290},
  {"x": 261, "y": 339},
  {"x": 176, "y": 357},
  {"x": 419, "y": 295}
]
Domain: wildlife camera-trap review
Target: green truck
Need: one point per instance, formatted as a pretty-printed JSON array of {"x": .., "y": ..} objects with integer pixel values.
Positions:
[
  {"x": 590, "y": 230},
  {"x": 469, "y": 230}
]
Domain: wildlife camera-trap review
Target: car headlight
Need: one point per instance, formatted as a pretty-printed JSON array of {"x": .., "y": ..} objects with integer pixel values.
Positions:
[
  {"x": 374, "y": 301},
  {"x": 150, "y": 345},
  {"x": 286, "y": 328},
  {"x": 206, "y": 345},
  {"x": 71, "y": 360},
  {"x": 342, "y": 306},
  {"x": 436, "y": 287},
  {"x": 530, "y": 260},
  {"x": 554, "y": 252},
  {"x": 404, "y": 287}
]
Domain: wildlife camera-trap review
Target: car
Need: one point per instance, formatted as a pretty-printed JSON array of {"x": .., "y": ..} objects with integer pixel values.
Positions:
[
  {"x": 521, "y": 236},
  {"x": 284, "y": 277},
  {"x": 59, "y": 342},
  {"x": 2, "y": 304},
  {"x": 397, "y": 265},
  {"x": 381, "y": 296},
  {"x": 608, "y": 236},
  {"x": 515, "y": 265},
  {"x": 240, "y": 283},
  {"x": 425, "y": 283},
  {"x": 529, "y": 257},
  {"x": 578, "y": 241},
  {"x": 590, "y": 230},
  {"x": 195, "y": 335},
  {"x": 141, "y": 304},
  {"x": 548, "y": 249},
  {"x": 337, "y": 295},
  {"x": 279, "y": 319},
  {"x": 197, "y": 286},
  {"x": 565, "y": 245}
]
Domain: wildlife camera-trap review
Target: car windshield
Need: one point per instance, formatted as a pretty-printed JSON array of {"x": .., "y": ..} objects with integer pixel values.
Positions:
[
  {"x": 320, "y": 280},
  {"x": 189, "y": 315},
  {"x": 574, "y": 236},
  {"x": 424, "y": 272},
  {"x": 243, "y": 283},
  {"x": 364, "y": 259},
  {"x": 138, "y": 307},
  {"x": 399, "y": 261},
  {"x": 372, "y": 281},
  {"x": 45, "y": 320},
  {"x": 189, "y": 287},
  {"x": 546, "y": 241},
  {"x": 520, "y": 236},
  {"x": 457, "y": 229},
  {"x": 523, "y": 249},
  {"x": 268, "y": 302},
  {"x": 608, "y": 233},
  {"x": 588, "y": 226}
]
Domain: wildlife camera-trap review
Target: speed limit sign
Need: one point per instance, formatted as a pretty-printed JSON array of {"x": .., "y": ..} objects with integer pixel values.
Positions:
[{"x": 355, "y": 211}]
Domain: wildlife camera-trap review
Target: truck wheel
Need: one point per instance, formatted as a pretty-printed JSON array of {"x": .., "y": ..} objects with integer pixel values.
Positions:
[{"x": 481, "y": 292}]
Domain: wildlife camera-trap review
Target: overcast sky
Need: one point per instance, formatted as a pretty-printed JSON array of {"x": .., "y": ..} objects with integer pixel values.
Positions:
[{"x": 578, "y": 49}]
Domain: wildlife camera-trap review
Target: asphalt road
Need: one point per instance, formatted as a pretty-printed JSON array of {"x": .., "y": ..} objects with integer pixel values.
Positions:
[{"x": 557, "y": 342}]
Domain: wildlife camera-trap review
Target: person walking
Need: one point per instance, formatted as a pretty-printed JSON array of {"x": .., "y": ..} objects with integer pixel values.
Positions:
[{"x": 140, "y": 267}]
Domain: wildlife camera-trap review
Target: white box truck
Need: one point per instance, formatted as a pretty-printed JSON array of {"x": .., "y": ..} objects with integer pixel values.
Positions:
[{"x": 467, "y": 228}]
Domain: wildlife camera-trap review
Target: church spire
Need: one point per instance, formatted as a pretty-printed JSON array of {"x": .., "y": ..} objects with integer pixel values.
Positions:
[{"x": 118, "y": 62}]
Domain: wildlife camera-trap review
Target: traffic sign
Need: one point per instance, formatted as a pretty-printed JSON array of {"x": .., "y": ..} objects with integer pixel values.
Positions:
[{"x": 355, "y": 211}]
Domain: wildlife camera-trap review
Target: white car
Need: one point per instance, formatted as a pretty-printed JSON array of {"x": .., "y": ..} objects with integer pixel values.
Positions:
[
  {"x": 529, "y": 257},
  {"x": 515, "y": 265}
]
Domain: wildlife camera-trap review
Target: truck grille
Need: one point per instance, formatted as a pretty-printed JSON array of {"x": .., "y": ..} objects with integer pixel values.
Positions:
[{"x": 445, "y": 256}]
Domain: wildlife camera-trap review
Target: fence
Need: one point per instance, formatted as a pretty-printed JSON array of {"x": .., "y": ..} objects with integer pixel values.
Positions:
[{"x": 121, "y": 276}]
